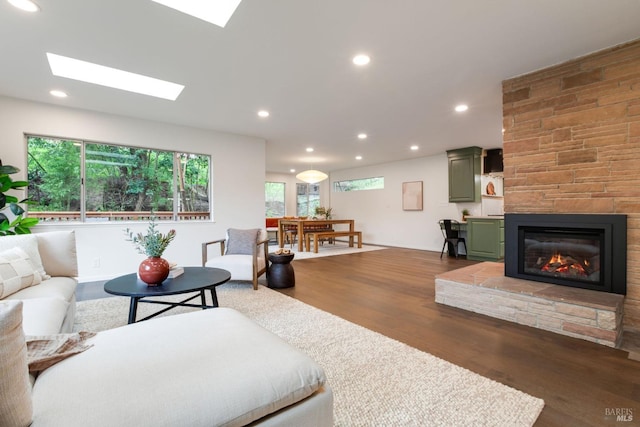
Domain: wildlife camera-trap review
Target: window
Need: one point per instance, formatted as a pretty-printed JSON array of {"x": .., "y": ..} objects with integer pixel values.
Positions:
[
  {"x": 84, "y": 181},
  {"x": 274, "y": 199},
  {"x": 376, "y": 183},
  {"x": 307, "y": 199}
]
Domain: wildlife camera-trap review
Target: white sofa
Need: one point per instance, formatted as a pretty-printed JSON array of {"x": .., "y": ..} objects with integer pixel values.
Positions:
[
  {"x": 206, "y": 368},
  {"x": 50, "y": 306}
]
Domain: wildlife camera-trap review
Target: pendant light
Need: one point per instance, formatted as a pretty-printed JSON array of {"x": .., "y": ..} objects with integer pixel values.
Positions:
[{"x": 312, "y": 176}]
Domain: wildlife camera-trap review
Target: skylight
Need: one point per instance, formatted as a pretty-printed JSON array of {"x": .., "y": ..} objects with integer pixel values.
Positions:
[
  {"x": 76, "y": 69},
  {"x": 216, "y": 12}
]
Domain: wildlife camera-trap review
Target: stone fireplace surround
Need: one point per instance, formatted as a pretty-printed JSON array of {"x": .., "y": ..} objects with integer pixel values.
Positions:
[{"x": 581, "y": 313}]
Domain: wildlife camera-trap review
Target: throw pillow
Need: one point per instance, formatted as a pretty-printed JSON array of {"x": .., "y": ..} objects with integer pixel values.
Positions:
[
  {"x": 241, "y": 242},
  {"x": 16, "y": 408},
  {"x": 29, "y": 243},
  {"x": 16, "y": 272}
]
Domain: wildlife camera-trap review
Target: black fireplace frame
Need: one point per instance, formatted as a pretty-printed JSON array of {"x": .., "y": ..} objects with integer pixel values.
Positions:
[{"x": 614, "y": 269}]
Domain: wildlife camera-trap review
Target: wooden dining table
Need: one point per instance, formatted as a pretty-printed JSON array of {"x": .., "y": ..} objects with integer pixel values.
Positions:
[{"x": 303, "y": 225}]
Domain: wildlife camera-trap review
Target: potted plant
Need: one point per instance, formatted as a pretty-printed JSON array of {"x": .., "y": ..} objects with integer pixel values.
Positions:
[
  {"x": 465, "y": 214},
  {"x": 19, "y": 224},
  {"x": 325, "y": 212},
  {"x": 155, "y": 269}
]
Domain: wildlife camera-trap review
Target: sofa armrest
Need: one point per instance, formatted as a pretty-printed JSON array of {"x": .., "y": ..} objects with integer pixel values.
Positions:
[{"x": 58, "y": 253}]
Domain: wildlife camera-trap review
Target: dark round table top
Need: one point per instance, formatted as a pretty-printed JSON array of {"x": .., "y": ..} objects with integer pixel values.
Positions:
[{"x": 193, "y": 279}]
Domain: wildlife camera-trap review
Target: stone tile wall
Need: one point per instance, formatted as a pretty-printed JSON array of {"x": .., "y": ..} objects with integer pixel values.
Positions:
[
  {"x": 572, "y": 145},
  {"x": 580, "y": 313}
]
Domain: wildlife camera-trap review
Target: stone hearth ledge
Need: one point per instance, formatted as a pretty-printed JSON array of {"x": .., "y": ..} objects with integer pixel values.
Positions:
[{"x": 581, "y": 313}]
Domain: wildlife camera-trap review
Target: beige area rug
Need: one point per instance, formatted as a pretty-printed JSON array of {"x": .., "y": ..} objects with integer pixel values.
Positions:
[
  {"x": 377, "y": 381},
  {"x": 327, "y": 249}
]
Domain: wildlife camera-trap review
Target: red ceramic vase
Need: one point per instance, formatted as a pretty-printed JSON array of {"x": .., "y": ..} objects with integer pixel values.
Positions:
[{"x": 154, "y": 270}]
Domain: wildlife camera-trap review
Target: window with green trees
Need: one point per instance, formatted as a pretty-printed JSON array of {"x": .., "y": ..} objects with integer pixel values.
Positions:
[
  {"x": 308, "y": 199},
  {"x": 72, "y": 180},
  {"x": 376, "y": 183},
  {"x": 274, "y": 199}
]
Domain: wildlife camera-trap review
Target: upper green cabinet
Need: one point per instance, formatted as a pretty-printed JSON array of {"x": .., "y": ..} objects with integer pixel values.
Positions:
[{"x": 464, "y": 174}]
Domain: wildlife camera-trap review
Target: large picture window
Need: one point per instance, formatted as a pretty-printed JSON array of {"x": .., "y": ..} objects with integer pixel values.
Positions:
[{"x": 85, "y": 181}]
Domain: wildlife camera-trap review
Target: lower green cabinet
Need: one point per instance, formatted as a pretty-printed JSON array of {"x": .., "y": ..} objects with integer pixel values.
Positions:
[{"x": 485, "y": 238}]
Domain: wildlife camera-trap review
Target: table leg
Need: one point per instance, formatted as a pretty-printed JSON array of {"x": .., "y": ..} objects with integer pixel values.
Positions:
[
  {"x": 280, "y": 235},
  {"x": 203, "y": 299},
  {"x": 351, "y": 230},
  {"x": 214, "y": 297},
  {"x": 300, "y": 236},
  {"x": 133, "y": 309}
]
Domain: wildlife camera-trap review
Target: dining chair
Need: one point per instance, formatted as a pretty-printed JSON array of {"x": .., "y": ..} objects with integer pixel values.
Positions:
[{"x": 449, "y": 229}]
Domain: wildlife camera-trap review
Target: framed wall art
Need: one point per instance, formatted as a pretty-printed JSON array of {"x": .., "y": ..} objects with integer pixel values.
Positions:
[{"x": 412, "y": 196}]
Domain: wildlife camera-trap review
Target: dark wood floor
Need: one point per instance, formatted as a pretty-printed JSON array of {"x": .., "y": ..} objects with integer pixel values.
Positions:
[{"x": 392, "y": 292}]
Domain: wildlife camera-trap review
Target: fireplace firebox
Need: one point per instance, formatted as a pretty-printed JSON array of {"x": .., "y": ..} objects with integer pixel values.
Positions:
[{"x": 582, "y": 250}]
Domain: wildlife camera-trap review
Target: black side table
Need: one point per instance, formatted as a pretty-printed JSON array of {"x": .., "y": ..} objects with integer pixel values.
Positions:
[{"x": 281, "y": 274}]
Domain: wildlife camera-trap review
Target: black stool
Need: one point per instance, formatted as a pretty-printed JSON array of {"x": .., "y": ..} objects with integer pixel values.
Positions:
[{"x": 281, "y": 274}]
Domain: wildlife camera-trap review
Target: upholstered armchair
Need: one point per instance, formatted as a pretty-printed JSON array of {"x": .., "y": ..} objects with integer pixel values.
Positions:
[{"x": 243, "y": 253}]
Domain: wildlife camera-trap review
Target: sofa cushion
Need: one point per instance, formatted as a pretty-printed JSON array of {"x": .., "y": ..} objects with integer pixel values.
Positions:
[
  {"x": 241, "y": 242},
  {"x": 209, "y": 367},
  {"x": 43, "y": 316},
  {"x": 60, "y": 287},
  {"x": 28, "y": 243},
  {"x": 240, "y": 266},
  {"x": 58, "y": 253},
  {"x": 17, "y": 271},
  {"x": 15, "y": 387}
]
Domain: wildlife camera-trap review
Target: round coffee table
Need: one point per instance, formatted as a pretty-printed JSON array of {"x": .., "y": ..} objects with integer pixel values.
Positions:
[{"x": 194, "y": 279}]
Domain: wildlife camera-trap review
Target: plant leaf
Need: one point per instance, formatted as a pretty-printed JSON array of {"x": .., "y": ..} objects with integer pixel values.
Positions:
[
  {"x": 18, "y": 184},
  {"x": 16, "y": 209},
  {"x": 29, "y": 222},
  {"x": 8, "y": 169}
]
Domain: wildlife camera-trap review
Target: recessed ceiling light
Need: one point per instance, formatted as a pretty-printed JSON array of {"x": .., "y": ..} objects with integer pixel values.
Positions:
[
  {"x": 25, "y": 5},
  {"x": 461, "y": 108},
  {"x": 58, "y": 93},
  {"x": 414, "y": 147},
  {"x": 309, "y": 150},
  {"x": 263, "y": 113},
  {"x": 361, "y": 59},
  {"x": 292, "y": 170},
  {"x": 358, "y": 157},
  {"x": 362, "y": 136},
  {"x": 76, "y": 69},
  {"x": 216, "y": 12}
]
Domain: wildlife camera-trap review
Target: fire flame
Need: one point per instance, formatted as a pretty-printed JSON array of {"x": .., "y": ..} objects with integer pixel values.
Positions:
[{"x": 565, "y": 265}]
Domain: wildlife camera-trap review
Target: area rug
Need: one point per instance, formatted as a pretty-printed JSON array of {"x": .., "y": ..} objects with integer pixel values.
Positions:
[
  {"x": 328, "y": 249},
  {"x": 376, "y": 381}
]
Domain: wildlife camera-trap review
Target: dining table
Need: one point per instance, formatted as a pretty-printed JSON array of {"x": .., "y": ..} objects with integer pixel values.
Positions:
[{"x": 303, "y": 225}]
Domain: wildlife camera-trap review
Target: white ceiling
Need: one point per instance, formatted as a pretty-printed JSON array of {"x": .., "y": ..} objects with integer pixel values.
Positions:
[{"x": 293, "y": 58}]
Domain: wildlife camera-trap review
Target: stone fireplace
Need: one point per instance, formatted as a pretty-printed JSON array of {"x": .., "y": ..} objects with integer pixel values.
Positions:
[{"x": 581, "y": 251}]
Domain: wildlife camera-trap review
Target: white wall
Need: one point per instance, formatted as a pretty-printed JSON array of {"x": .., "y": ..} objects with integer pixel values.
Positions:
[
  {"x": 238, "y": 179},
  {"x": 378, "y": 213}
]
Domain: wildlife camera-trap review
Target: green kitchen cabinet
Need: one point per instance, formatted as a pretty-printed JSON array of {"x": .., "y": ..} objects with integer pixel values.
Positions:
[
  {"x": 485, "y": 238},
  {"x": 464, "y": 174}
]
